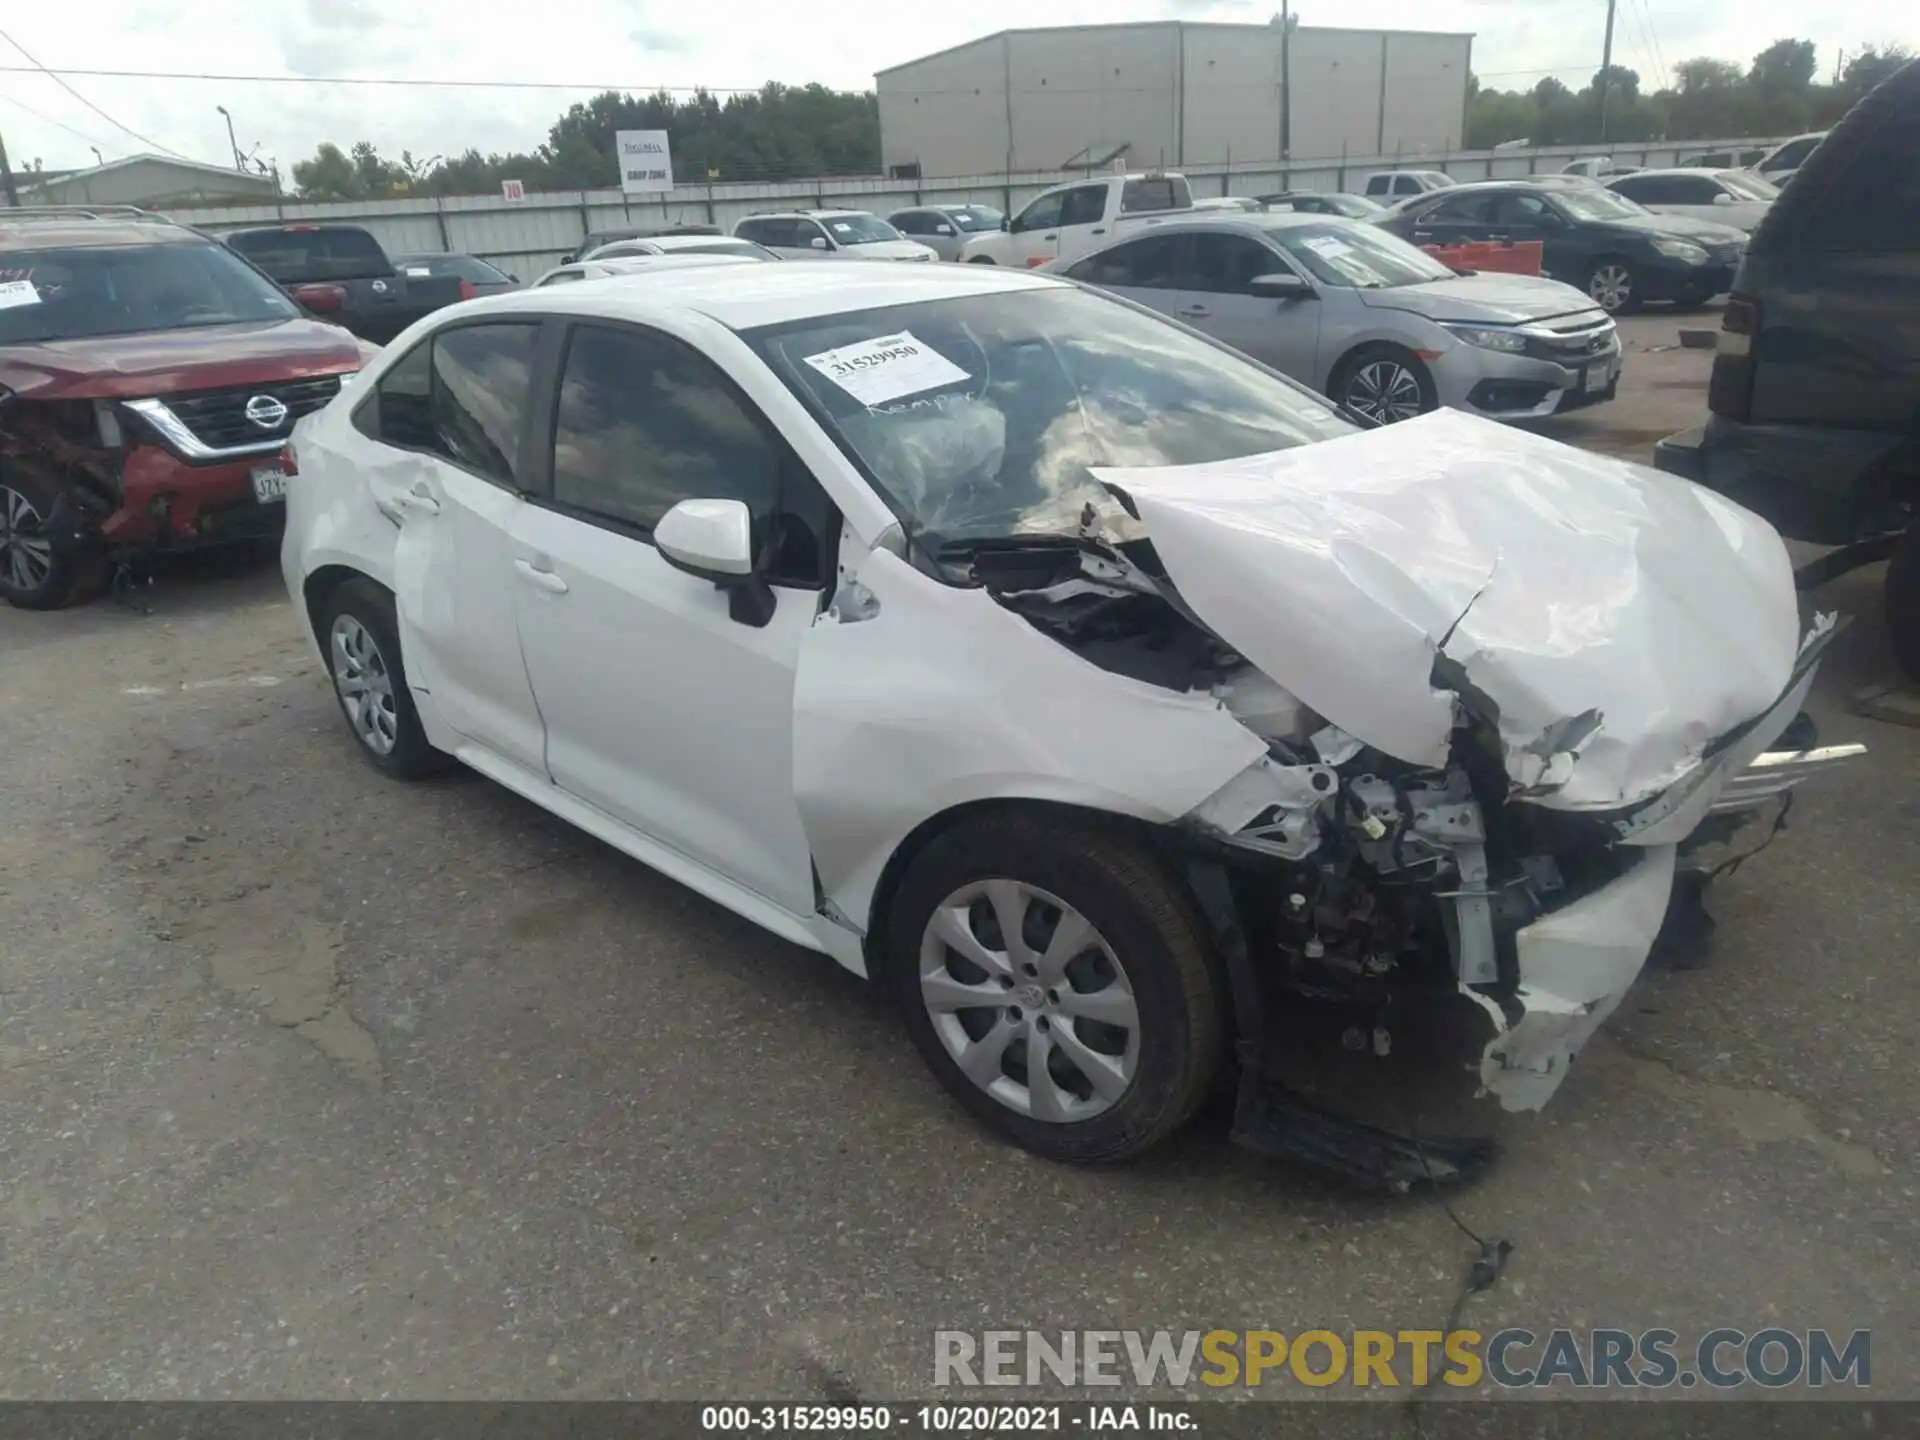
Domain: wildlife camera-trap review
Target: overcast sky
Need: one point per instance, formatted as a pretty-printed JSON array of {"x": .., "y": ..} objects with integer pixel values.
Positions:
[{"x": 641, "y": 44}]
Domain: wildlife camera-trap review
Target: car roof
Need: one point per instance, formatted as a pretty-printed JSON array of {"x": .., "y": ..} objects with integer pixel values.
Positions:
[
  {"x": 744, "y": 294},
  {"x": 1690, "y": 170},
  {"x": 73, "y": 232},
  {"x": 802, "y": 214},
  {"x": 669, "y": 243}
]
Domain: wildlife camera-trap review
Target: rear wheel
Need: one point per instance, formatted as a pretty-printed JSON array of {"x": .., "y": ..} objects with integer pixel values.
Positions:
[
  {"x": 36, "y": 573},
  {"x": 981, "y": 260},
  {"x": 1385, "y": 383},
  {"x": 1902, "y": 600},
  {"x": 362, "y": 644},
  {"x": 1057, "y": 982}
]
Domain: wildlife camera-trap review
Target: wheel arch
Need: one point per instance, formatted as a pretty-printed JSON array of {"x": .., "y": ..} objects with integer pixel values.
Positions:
[
  {"x": 321, "y": 583},
  {"x": 915, "y": 842}
]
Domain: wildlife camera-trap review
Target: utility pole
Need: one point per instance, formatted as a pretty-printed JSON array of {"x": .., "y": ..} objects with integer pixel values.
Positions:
[
  {"x": 232, "y": 144},
  {"x": 1285, "y": 21},
  {"x": 6, "y": 176},
  {"x": 1606, "y": 72}
]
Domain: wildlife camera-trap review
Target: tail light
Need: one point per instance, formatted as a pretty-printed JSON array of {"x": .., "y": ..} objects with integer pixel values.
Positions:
[
  {"x": 1730, "y": 392},
  {"x": 467, "y": 292},
  {"x": 321, "y": 297}
]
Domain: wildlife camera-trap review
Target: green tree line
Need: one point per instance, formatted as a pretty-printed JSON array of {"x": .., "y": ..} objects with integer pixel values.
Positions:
[
  {"x": 1778, "y": 94},
  {"x": 777, "y": 132}
]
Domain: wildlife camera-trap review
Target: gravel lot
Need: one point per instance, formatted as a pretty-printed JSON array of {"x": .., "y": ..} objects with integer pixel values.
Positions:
[{"x": 312, "y": 1085}]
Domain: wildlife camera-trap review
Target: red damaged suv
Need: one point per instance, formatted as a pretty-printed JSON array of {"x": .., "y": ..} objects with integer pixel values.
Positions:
[{"x": 149, "y": 378}]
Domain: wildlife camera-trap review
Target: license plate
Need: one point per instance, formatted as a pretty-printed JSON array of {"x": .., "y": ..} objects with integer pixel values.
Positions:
[
  {"x": 1598, "y": 377},
  {"x": 269, "y": 484}
]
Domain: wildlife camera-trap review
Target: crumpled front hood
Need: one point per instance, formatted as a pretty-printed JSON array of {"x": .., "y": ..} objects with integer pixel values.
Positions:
[{"x": 1612, "y": 620}]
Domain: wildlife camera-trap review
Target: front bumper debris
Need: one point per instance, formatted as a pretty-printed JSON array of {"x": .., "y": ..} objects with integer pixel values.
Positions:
[{"x": 1576, "y": 965}]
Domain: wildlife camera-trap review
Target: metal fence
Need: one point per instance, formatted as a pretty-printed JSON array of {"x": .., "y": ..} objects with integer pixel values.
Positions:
[{"x": 530, "y": 235}]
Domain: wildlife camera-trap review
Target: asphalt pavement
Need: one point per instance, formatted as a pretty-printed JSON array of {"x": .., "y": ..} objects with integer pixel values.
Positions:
[{"x": 315, "y": 1085}]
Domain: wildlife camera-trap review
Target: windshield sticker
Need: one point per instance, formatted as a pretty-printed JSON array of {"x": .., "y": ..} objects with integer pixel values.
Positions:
[
  {"x": 1326, "y": 246},
  {"x": 840, "y": 227},
  {"x": 18, "y": 292},
  {"x": 886, "y": 368},
  {"x": 417, "y": 272}
]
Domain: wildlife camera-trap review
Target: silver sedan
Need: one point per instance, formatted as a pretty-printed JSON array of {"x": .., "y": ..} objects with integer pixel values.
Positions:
[{"x": 1367, "y": 319}]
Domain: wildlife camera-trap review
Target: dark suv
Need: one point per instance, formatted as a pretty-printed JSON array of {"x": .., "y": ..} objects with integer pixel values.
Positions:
[
  {"x": 149, "y": 379},
  {"x": 1618, "y": 252},
  {"x": 1814, "y": 406}
]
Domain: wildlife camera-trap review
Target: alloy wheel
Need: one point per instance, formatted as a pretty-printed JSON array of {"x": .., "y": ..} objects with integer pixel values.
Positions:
[
  {"x": 365, "y": 685},
  {"x": 1385, "y": 390},
  {"x": 1030, "y": 1001},
  {"x": 1611, "y": 286},
  {"x": 26, "y": 555}
]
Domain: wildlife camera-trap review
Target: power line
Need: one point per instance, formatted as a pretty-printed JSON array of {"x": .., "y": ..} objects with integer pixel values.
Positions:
[
  {"x": 366, "y": 80},
  {"x": 1666, "y": 75},
  {"x": 48, "y": 119},
  {"x": 54, "y": 76}
]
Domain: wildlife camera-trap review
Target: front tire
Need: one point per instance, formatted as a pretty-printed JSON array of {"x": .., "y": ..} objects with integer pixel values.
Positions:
[
  {"x": 1385, "y": 383},
  {"x": 982, "y": 260},
  {"x": 361, "y": 639},
  {"x": 1054, "y": 977},
  {"x": 36, "y": 572}
]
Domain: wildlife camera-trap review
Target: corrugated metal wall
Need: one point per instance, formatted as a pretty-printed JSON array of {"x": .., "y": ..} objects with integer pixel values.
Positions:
[{"x": 530, "y": 236}]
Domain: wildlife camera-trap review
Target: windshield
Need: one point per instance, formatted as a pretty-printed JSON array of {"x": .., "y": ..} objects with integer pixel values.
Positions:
[
  {"x": 1357, "y": 256},
  {"x": 120, "y": 289},
  {"x": 1749, "y": 187},
  {"x": 976, "y": 217},
  {"x": 1585, "y": 204},
  {"x": 978, "y": 418},
  {"x": 1357, "y": 206},
  {"x": 859, "y": 229}
]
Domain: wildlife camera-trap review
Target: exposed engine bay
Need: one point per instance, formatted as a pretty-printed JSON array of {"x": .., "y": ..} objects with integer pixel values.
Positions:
[{"x": 1372, "y": 887}]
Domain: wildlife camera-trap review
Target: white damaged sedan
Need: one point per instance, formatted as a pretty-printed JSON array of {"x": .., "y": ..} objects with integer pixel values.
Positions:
[{"x": 1098, "y": 691}]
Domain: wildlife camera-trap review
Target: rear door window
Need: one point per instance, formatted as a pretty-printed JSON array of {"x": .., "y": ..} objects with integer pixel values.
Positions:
[
  {"x": 1149, "y": 263},
  {"x": 1042, "y": 214},
  {"x": 461, "y": 396}
]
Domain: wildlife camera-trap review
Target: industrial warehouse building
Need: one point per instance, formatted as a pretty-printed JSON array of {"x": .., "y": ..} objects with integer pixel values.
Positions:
[{"x": 1170, "y": 93}]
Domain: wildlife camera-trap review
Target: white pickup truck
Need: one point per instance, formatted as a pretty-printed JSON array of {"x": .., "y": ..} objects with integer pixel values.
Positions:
[{"x": 1067, "y": 221}]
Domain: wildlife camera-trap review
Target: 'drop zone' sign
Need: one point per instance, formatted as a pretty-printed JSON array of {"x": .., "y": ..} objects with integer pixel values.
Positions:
[{"x": 646, "y": 167}]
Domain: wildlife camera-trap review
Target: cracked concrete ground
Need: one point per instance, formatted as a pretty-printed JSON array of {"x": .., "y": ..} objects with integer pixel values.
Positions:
[{"x": 316, "y": 1085}]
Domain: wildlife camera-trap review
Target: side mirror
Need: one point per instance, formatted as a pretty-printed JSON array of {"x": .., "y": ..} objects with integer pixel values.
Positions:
[
  {"x": 819, "y": 242},
  {"x": 1281, "y": 287},
  {"x": 1006, "y": 222},
  {"x": 713, "y": 539},
  {"x": 513, "y": 277},
  {"x": 1723, "y": 198}
]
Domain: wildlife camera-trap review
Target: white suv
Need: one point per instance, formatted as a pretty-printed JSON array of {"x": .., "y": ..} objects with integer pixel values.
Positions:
[{"x": 849, "y": 234}]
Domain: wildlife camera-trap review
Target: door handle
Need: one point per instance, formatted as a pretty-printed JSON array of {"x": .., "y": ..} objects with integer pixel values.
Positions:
[
  {"x": 1196, "y": 312},
  {"x": 1054, "y": 236},
  {"x": 545, "y": 579},
  {"x": 1099, "y": 229}
]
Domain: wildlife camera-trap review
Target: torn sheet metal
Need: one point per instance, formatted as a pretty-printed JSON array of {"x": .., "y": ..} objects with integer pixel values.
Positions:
[
  {"x": 1617, "y": 619},
  {"x": 936, "y": 696},
  {"x": 1576, "y": 965}
]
